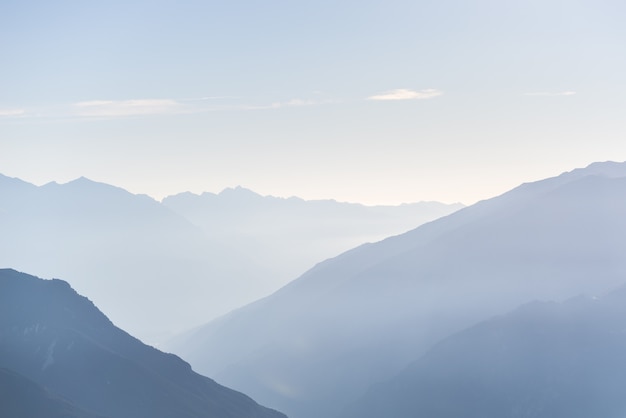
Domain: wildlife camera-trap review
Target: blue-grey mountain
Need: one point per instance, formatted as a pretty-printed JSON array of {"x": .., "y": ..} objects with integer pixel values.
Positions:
[
  {"x": 543, "y": 360},
  {"x": 59, "y": 340},
  {"x": 289, "y": 236},
  {"x": 152, "y": 270},
  {"x": 156, "y": 272},
  {"x": 23, "y": 398},
  {"x": 321, "y": 341}
]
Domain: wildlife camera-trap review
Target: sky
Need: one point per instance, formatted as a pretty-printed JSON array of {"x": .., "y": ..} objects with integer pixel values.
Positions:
[{"x": 378, "y": 102}]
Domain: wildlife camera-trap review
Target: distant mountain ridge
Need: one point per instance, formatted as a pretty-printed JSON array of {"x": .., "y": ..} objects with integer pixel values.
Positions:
[
  {"x": 122, "y": 248},
  {"x": 60, "y": 340},
  {"x": 322, "y": 340},
  {"x": 294, "y": 233},
  {"x": 544, "y": 360}
]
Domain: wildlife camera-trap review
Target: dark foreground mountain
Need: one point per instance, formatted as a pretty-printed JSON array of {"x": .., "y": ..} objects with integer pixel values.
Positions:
[
  {"x": 23, "y": 398},
  {"x": 61, "y": 341},
  {"x": 544, "y": 360},
  {"x": 360, "y": 318}
]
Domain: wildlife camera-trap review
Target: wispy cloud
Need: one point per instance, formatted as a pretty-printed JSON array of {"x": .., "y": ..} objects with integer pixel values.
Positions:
[
  {"x": 406, "y": 94},
  {"x": 124, "y": 108},
  {"x": 112, "y": 109},
  {"x": 289, "y": 103},
  {"x": 205, "y": 98},
  {"x": 296, "y": 103},
  {"x": 547, "y": 93},
  {"x": 299, "y": 102},
  {"x": 8, "y": 113},
  {"x": 121, "y": 108}
]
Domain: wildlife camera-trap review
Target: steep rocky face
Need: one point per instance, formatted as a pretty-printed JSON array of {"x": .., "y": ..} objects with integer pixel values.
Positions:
[{"x": 60, "y": 340}]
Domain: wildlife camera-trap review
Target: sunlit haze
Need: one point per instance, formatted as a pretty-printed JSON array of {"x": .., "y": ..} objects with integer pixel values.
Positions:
[
  {"x": 344, "y": 209},
  {"x": 369, "y": 101}
]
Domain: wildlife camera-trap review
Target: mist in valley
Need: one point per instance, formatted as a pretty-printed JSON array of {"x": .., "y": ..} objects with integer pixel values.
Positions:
[{"x": 312, "y": 210}]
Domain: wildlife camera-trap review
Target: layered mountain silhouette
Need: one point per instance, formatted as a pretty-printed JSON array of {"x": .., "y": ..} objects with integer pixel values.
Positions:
[
  {"x": 543, "y": 360},
  {"x": 156, "y": 272},
  {"x": 137, "y": 259},
  {"x": 288, "y": 236},
  {"x": 320, "y": 342},
  {"x": 53, "y": 338}
]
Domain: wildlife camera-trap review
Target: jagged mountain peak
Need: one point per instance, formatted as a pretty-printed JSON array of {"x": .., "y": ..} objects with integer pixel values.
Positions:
[{"x": 239, "y": 192}]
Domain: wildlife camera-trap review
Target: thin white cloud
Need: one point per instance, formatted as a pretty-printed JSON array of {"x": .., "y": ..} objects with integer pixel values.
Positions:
[
  {"x": 289, "y": 103},
  {"x": 300, "y": 102},
  {"x": 122, "y": 108},
  {"x": 551, "y": 94},
  {"x": 205, "y": 98},
  {"x": 406, "y": 94},
  {"x": 295, "y": 103},
  {"x": 99, "y": 109},
  {"x": 8, "y": 113}
]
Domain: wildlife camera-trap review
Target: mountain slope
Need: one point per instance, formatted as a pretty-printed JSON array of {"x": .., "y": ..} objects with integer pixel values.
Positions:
[
  {"x": 543, "y": 360},
  {"x": 121, "y": 248},
  {"x": 58, "y": 339},
  {"x": 359, "y": 318},
  {"x": 240, "y": 246},
  {"x": 23, "y": 398}
]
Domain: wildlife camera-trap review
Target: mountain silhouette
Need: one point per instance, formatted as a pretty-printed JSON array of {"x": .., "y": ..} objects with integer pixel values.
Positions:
[
  {"x": 187, "y": 260},
  {"x": 137, "y": 259},
  {"x": 58, "y": 339},
  {"x": 320, "y": 342}
]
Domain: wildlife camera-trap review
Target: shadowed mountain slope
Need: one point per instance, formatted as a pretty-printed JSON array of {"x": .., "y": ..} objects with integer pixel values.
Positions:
[
  {"x": 23, "y": 398},
  {"x": 322, "y": 340},
  {"x": 543, "y": 360},
  {"x": 60, "y": 340}
]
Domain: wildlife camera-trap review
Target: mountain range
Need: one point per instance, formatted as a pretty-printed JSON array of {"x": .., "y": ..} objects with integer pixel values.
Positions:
[
  {"x": 157, "y": 271},
  {"x": 319, "y": 343},
  {"x": 288, "y": 236},
  {"x": 543, "y": 360},
  {"x": 61, "y": 357}
]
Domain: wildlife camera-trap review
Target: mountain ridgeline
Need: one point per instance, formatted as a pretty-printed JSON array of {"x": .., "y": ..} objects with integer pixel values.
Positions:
[
  {"x": 186, "y": 260},
  {"x": 543, "y": 360},
  {"x": 288, "y": 236},
  {"x": 120, "y": 249},
  {"x": 318, "y": 344},
  {"x": 426, "y": 323},
  {"x": 61, "y": 357}
]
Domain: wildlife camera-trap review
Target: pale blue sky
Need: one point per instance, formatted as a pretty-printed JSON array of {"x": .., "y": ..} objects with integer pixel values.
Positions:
[{"x": 286, "y": 97}]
